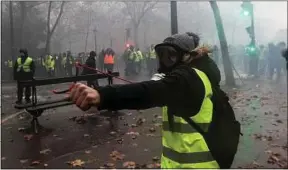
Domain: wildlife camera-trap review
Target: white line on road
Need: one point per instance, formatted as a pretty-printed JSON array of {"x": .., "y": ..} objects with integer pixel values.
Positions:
[{"x": 12, "y": 116}]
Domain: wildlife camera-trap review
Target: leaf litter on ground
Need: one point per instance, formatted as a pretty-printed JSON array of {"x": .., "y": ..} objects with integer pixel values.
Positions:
[
  {"x": 116, "y": 156},
  {"x": 45, "y": 151},
  {"x": 76, "y": 163},
  {"x": 129, "y": 164},
  {"x": 28, "y": 137}
]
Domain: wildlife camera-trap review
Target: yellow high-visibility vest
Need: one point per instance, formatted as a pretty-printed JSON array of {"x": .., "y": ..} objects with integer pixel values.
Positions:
[
  {"x": 26, "y": 66},
  {"x": 185, "y": 147}
]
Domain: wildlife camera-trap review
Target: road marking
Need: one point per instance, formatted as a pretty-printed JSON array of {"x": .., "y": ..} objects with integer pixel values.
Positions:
[{"x": 12, "y": 116}]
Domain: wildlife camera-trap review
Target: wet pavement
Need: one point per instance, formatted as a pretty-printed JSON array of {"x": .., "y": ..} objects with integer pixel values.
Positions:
[{"x": 134, "y": 138}]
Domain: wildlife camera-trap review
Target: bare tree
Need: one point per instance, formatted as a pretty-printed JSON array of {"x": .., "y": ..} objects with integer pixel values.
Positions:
[
  {"x": 49, "y": 30},
  {"x": 229, "y": 77},
  {"x": 136, "y": 11},
  {"x": 11, "y": 30},
  {"x": 88, "y": 29}
]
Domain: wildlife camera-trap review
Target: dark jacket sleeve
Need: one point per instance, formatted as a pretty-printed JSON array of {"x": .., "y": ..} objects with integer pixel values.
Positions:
[{"x": 182, "y": 91}]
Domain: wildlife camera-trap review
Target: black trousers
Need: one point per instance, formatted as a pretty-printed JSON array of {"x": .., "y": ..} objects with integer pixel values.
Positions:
[
  {"x": 109, "y": 67},
  {"x": 20, "y": 90}
]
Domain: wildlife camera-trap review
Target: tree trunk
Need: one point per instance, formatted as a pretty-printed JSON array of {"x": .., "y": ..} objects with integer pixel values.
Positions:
[
  {"x": 51, "y": 31},
  {"x": 11, "y": 31},
  {"x": 136, "y": 27},
  {"x": 22, "y": 22},
  {"x": 88, "y": 29},
  {"x": 229, "y": 77},
  {"x": 48, "y": 37}
]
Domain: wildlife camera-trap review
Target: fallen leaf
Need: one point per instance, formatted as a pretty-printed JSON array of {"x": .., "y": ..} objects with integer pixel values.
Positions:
[
  {"x": 152, "y": 129},
  {"x": 55, "y": 135},
  {"x": 3, "y": 158},
  {"x": 140, "y": 121},
  {"x": 117, "y": 155},
  {"x": 129, "y": 114},
  {"x": 133, "y": 125},
  {"x": 109, "y": 165},
  {"x": 76, "y": 163},
  {"x": 155, "y": 158},
  {"x": 28, "y": 137},
  {"x": 88, "y": 151},
  {"x": 23, "y": 161},
  {"x": 276, "y": 115},
  {"x": 86, "y": 135},
  {"x": 34, "y": 163},
  {"x": 129, "y": 164},
  {"x": 21, "y": 129},
  {"x": 150, "y": 166},
  {"x": 112, "y": 133},
  {"x": 45, "y": 151},
  {"x": 133, "y": 133},
  {"x": 279, "y": 121},
  {"x": 120, "y": 141},
  {"x": 45, "y": 165}
]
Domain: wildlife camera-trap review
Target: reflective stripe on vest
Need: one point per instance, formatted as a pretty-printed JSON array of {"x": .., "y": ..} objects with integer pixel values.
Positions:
[
  {"x": 185, "y": 147},
  {"x": 109, "y": 59},
  {"x": 25, "y": 66}
]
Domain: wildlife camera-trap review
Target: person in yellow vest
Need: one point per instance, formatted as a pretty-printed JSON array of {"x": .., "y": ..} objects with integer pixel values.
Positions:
[
  {"x": 152, "y": 61},
  {"x": 24, "y": 69},
  {"x": 132, "y": 55},
  {"x": 109, "y": 60},
  {"x": 50, "y": 64},
  {"x": 138, "y": 61},
  {"x": 185, "y": 91},
  {"x": 69, "y": 63}
]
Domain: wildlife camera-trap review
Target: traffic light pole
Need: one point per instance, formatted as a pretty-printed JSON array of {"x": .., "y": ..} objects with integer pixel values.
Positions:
[
  {"x": 252, "y": 25},
  {"x": 174, "y": 22}
]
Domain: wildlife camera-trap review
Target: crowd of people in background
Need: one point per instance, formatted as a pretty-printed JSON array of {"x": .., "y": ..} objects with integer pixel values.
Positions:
[{"x": 266, "y": 62}]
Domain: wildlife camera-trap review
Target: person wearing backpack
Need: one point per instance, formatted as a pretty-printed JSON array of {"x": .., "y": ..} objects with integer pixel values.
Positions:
[{"x": 195, "y": 109}]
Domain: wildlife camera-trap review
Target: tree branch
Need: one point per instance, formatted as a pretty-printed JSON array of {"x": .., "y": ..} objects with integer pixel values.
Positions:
[
  {"x": 144, "y": 11},
  {"x": 58, "y": 17}
]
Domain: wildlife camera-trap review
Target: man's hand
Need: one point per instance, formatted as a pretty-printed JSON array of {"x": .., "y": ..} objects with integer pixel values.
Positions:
[{"x": 84, "y": 97}]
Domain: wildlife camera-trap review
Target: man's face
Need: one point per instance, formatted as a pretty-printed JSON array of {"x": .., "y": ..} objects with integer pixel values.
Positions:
[{"x": 168, "y": 58}]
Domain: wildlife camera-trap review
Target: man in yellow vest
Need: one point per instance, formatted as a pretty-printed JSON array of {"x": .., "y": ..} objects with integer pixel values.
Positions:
[
  {"x": 50, "y": 64},
  {"x": 152, "y": 61},
  {"x": 138, "y": 60},
  {"x": 184, "y": 92},
  {"x": 24, "y": 69}
]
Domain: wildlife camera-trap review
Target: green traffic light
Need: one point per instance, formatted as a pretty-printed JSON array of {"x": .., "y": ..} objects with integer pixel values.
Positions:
[{"x": 246, "y": 13}]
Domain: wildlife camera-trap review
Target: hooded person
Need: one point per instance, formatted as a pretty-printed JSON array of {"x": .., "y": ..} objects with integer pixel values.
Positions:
[
  {"x": 91, "y": 62},
  {"x": 183, "y": 88},
  {"x": 24, "y": 69}
]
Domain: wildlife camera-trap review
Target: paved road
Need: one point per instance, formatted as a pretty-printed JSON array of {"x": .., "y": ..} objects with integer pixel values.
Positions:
[{"x": 260, "y": 108}]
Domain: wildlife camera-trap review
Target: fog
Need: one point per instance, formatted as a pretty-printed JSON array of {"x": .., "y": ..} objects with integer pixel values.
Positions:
[{"x": 75, "y": 30}]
